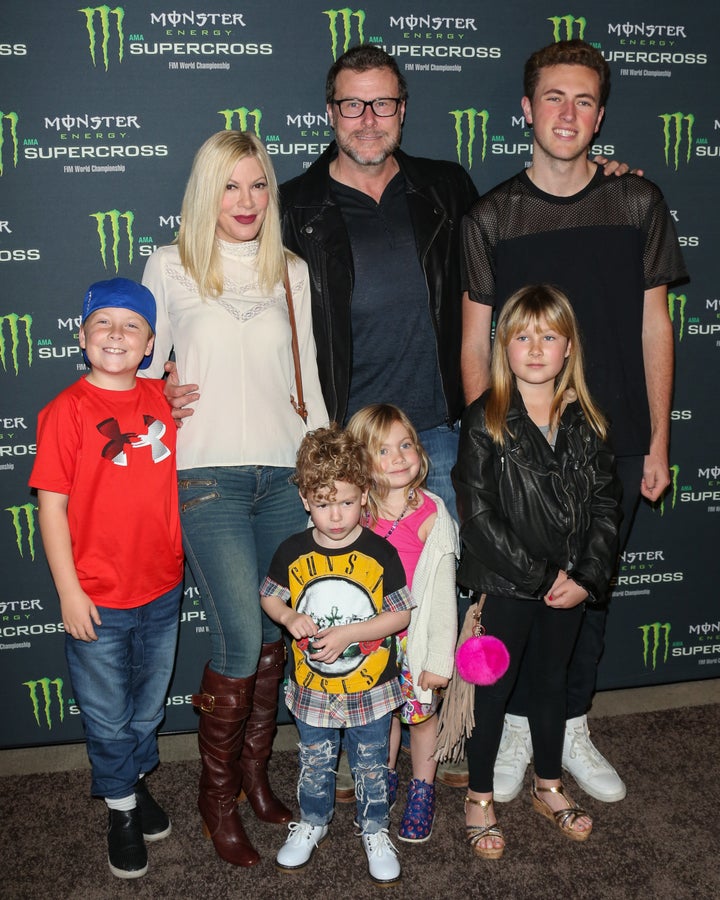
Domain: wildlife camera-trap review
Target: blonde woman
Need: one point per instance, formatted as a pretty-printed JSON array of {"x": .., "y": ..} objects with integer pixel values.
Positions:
[{"x": 222, "y": 308}]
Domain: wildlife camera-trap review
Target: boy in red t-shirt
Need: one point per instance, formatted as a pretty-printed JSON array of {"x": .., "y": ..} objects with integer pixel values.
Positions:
[{"x": 108, "y": 513}]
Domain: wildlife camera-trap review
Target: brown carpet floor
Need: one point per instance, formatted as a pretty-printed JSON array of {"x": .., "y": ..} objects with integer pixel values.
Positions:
[{"x": 662, "y": 841}]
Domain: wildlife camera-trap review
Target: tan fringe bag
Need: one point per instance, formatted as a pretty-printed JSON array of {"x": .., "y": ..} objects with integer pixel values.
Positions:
[{"x": 456, "y": 718}]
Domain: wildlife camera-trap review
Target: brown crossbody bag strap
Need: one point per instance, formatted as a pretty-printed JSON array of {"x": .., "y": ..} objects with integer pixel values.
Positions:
[{"x": 299, "y": 405}]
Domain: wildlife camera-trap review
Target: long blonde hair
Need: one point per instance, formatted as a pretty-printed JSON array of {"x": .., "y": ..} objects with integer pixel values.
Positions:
[
  {"x": 525, "y": 309},
  {"x": 211, "y": 170},
  {"x": 371, "y": 425}
]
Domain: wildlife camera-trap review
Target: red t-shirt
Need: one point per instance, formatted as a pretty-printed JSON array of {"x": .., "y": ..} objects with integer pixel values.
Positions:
[{"x": 113, "y": 454}]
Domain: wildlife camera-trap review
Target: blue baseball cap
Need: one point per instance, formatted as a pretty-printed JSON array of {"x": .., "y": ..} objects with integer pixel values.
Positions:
[{"x": 121, "y": 293}]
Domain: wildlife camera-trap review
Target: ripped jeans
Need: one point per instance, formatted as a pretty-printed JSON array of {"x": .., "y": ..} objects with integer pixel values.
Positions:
[{"x": 367, "y": 750}]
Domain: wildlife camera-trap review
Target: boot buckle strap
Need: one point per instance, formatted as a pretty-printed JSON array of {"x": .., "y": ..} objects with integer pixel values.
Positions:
[{"x": 205, "y": 702}]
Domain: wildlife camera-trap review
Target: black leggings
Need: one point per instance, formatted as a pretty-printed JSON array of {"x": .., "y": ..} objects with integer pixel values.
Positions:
[
  {"x": 544, "y": 638},
  {"x": 582, "y": 671}
]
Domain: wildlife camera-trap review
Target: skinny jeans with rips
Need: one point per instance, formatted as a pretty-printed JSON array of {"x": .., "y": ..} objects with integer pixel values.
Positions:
[{"x": 367, "y": 750}]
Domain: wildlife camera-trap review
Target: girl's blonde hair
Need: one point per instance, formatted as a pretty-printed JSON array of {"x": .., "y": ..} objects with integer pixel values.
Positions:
[
  {"x": 371, "y": 425},
  {"x": 524, "y": 310},
  {"x": 211, "y": 170}
]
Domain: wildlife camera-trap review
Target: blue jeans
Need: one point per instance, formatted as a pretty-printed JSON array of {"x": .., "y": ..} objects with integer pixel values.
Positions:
[
  {"x": 441, "y": 445},
  {"x": 367, "y": 750},
  {"x": 120, "y": 683},
  {"x": 233, "y": 520}
]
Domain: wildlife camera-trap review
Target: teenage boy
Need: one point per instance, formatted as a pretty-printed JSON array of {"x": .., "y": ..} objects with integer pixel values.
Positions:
[{"x": 610, "y": 245}]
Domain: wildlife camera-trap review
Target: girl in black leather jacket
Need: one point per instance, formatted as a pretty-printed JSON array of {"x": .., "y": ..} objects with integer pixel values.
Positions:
[{"x": 538, "y": 502}]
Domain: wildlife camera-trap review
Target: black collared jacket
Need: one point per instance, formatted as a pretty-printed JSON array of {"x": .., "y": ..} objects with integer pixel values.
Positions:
[
  {"x": 528, "y": 511},
  {"x": 438, "y": 194}
]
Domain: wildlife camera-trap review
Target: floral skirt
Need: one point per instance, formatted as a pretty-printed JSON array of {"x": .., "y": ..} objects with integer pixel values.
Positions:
[{"x": 412, "y": 711}]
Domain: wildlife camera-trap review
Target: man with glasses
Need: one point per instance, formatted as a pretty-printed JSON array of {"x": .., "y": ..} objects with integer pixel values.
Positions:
[{"x": 380, "y": 233}]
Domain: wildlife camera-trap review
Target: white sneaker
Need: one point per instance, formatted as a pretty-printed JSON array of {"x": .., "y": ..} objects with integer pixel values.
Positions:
[
  {"x": 300, "y": 844},
  {"x": 513, "y": 759},
  {"x": 383, "y": 864},
  {"x": 588, "y": 766}
]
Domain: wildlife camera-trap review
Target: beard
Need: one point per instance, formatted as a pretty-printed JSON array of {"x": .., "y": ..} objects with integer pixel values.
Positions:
[{"x": 367, "y": 156}]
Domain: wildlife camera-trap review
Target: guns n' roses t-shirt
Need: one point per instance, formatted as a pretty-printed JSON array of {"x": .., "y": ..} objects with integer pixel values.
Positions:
[{"x": 341, "y": 587}]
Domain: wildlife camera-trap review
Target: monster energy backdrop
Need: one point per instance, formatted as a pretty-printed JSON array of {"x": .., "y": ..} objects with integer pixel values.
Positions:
[{"x": 101, "y": 111}]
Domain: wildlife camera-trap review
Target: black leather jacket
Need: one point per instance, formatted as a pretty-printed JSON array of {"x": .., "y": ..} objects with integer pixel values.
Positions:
[
  {"x": 527, "y": 512},
  {"x": 439, "y": 194}
]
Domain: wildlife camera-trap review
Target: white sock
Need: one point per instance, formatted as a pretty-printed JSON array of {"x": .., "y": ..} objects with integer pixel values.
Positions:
[{"x": 123, "y": 803}]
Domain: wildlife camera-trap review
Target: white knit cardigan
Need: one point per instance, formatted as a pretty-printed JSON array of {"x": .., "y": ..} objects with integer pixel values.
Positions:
[{"x": 432, "y": 632}]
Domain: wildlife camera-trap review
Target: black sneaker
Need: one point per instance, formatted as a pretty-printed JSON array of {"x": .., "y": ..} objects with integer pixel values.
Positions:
[
  {"x": 127, "y": 855},
  {"x": 155, "y": 822}
]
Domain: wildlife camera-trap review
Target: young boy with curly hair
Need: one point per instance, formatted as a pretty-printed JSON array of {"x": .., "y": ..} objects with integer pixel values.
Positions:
[{"x": 340, "y": 590}]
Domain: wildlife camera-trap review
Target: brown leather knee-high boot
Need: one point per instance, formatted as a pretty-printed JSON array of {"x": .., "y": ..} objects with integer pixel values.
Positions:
[
  {"x": 259, "y": 733},
  {"x": 224, "y": 705}
]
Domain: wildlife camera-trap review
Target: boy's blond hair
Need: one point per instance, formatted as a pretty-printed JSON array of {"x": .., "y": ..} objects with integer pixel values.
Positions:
[{"x": 331, "y": 454}]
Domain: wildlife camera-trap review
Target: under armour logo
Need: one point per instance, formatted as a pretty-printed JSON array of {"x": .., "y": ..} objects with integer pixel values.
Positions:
[
  {"x": 114, "y": 450},
  {"x": 155, "y": 431}
]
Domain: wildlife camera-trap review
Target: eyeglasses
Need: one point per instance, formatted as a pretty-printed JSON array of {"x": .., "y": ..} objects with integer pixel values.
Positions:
[{"x": 384, "y": 107}]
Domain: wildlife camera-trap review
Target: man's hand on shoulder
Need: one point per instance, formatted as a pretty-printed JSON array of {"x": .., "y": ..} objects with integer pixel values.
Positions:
[
  {"x": 179, "y": 395},
  {"x": 615, "y": 167}
]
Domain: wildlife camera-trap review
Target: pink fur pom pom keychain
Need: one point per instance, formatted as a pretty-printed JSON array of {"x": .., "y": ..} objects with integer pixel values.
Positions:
[{"x": 481, "y": 659}]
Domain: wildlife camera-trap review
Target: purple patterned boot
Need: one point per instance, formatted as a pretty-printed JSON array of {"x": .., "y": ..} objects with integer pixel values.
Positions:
[{"x": 417, "y": 820}]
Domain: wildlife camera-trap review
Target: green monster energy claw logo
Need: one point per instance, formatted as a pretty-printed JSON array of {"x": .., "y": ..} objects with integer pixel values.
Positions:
[
  {"x": 674, "y": 479},
  {"x": 23, "y": 517},
  {"x": 104, "y": 13},
  {"x": 12, "y": 119},
  {"x": 113, "y": 217},
  {"x": 466, "y": 118},
  {"x": 244, "y": 115},
  {"x": 655, "y": 637},
  {"x": 677, "y": 302},
  {"x": 345, "y": 16},
  {"x": 677, "y": 126},
  {"x": 568, "y": 21},
  {"x": 13, "y": 322},
  {"x": 40, "y": 690}
]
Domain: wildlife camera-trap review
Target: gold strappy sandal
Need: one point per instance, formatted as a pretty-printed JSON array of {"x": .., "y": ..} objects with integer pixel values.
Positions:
[
  {"x": 563, "y": 818},
  {"x": 475, "y": 833}
]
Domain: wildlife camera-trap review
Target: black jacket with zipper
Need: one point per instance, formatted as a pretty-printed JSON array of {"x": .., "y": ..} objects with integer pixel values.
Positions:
[
  {"x": 438, "y": 195},
  {"x": 528, "y": 511}
]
